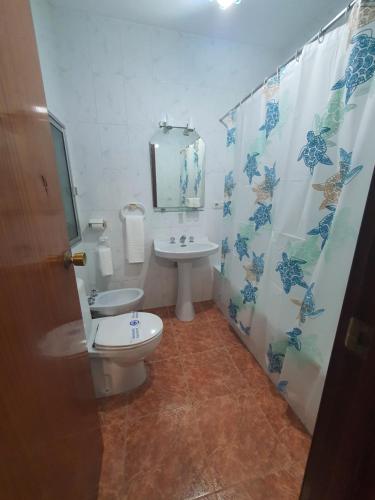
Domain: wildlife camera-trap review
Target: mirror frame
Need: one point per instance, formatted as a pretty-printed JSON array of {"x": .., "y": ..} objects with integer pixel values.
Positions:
[{"x": 153, "y": 177}]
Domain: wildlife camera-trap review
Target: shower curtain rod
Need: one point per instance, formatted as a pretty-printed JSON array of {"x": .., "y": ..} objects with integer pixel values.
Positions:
[{"x": 317, "y": 36}]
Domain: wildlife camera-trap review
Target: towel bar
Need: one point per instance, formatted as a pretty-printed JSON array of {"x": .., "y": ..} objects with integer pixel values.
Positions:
[{"x": 134, "y": 205}]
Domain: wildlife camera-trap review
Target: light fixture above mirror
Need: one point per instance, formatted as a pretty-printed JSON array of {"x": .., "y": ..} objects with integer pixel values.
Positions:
[{"x": 224, "y": 4}]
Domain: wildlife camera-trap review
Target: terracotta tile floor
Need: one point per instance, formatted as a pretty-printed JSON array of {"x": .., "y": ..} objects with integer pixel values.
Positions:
[{"x": 207, "y": 424}]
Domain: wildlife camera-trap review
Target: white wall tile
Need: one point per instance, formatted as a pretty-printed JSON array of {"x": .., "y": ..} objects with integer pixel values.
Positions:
[
  {"x": 78, "y": 95},
  {"x": 106, "y": 45},
  {"x": 136, "y": 52},
  {"x": 110, "y": 81},
  {"x": 110, "y": 98}
]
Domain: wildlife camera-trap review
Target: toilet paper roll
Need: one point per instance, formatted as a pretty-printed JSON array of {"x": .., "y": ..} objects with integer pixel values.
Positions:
[
  {"x": 97, "y": 224},
  {"x": 193, "y": 202}
]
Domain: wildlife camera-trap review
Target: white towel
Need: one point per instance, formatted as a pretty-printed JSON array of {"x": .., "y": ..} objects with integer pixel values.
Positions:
[
  {"x": 193, "y": 202},
  {"x": 135, "y": 238}
]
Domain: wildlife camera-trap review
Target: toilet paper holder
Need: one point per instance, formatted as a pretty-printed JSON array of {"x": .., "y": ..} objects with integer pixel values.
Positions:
[{"x": 99, "y": 224}]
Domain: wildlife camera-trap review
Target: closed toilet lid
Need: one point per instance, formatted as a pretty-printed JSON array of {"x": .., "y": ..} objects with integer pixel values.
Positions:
[{"x": 127, "y": 330}]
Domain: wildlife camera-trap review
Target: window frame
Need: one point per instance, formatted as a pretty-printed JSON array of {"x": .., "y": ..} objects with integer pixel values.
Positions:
[{"x": 53, "y": 120}]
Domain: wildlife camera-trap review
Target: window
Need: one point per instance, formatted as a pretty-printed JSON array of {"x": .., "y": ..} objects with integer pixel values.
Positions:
[{"x": 65, "y": 177}]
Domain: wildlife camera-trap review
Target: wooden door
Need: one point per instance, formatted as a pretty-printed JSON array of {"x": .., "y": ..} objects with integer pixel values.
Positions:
[
  {"x": 50, "y": 444},
  {"x": 342, "y": 457}
]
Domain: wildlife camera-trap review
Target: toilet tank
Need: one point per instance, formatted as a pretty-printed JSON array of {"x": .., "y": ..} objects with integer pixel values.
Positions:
[{"x": 86, "y": 314}]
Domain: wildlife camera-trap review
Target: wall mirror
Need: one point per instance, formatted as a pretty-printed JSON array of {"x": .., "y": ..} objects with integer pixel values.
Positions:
[{"x": 177, "y": 164}]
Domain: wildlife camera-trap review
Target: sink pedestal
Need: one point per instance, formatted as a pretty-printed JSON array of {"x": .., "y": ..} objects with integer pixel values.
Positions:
[
  {"x": 184, "y": 307},
  {"x": 184, "y": 255}
]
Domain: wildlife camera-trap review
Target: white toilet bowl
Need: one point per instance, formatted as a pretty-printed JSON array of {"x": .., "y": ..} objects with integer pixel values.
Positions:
[
  {"x": 117, "y": 347},
  {"x": 116, "y": 302}
]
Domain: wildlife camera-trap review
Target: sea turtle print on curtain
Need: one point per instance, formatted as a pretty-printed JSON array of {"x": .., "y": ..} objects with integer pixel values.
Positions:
[
  {"x": 231, "y": 136},
  {"x": 363, "y": 14},
  {"x": 272, "y": 117},
  {"x": 291, "y": 272},
  {"x": 307, "y": 306},
  {"x": 294, "y": 338},
  {"x": 241, "y": 246},
  {"x": 256, "y": 269},
  {"x": 229, "y": 184},
  {"x": 261, "y": 216},
  {"x": 251, "y": 167},
  {"x": 332, "y": 187},
  {"x": 264, "y": 191},
  {"x": 315, "y": 151},
  {"x": 347, "y": 173},
  {"x": 299, "y": 201},
  {"x": 361, "y": 64},
  {"x": 249, "y": 293},
  {"x": 227, "y": 208},
  {"x": 233, "y": 310},
  {"x": 324, "y": 225},
  {"x": 224, "y": 252},
  {"x": 245, "y": 329},
  {"x": 282, "y": 387},
  {"x": 275, "y": 360},
  {"x": 270, "y": 181},
  {"x": 333, "y": 116}
]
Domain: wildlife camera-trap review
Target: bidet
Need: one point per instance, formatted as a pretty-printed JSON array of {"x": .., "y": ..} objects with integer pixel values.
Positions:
[{"x": 116, "y": 302}]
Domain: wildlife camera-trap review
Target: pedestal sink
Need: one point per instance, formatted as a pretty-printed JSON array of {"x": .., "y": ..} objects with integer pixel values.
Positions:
[{"x": 184, "y": 254}]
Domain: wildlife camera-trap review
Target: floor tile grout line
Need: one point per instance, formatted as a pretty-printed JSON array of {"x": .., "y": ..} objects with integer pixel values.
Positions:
[
  {"x": 206, "y": 455},
  {"x": 266, "y": 417},
  {"x": 233, "y": 361},
  {"x": 193, "y": 404},
  {"x": 186, "y": 380}
]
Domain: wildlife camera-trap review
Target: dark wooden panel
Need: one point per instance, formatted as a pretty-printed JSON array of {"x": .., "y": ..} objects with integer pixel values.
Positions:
[
  {"x": 342, "y": 456},
  {"x": 49, "y": 430}
]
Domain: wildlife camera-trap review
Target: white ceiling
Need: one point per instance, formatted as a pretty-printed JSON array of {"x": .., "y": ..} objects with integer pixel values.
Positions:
[{"x": 276, "y": 24}]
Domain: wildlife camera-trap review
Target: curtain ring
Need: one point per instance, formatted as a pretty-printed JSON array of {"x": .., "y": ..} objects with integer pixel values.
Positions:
[
  {"x": 265, "y": 82},
  {"x": 278, "y": 74},
  {"x": 348, "y": 8},
  {"x": 320, "y": 35},
  {"x": 298, "y": 55}
]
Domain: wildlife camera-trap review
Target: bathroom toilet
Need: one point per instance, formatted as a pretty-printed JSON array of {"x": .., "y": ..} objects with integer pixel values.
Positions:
[
  {"x": 116, "y": 302},
  {"x": 118, "y": 346}
]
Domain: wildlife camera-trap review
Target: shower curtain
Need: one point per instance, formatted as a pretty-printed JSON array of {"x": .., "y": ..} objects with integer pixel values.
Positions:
[{"x": 300, "y": 156}]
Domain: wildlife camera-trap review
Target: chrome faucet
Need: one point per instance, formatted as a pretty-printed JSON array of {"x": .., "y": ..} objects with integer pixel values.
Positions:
[
  {"x": 182, "y": 239},
  {"x": 172, "y": 239}
]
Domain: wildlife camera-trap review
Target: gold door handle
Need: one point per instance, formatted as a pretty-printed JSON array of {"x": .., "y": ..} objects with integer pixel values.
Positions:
[{"x": 77, "y": 259}]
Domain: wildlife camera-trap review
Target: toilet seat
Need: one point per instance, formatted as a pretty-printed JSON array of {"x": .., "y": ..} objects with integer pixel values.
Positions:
[{"x": 127, "y": 331}]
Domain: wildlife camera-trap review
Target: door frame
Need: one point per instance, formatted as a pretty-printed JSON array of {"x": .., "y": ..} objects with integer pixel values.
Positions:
[{"x": 341, "y": 463}]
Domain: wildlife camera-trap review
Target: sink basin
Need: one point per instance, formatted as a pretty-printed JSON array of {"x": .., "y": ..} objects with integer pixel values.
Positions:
[
  {"x": 184, "y": 256},
  {"x": 176, "y": 251}
]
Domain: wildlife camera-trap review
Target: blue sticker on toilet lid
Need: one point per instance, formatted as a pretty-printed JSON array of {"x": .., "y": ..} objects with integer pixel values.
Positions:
[{"x": 134, "y": 322}]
